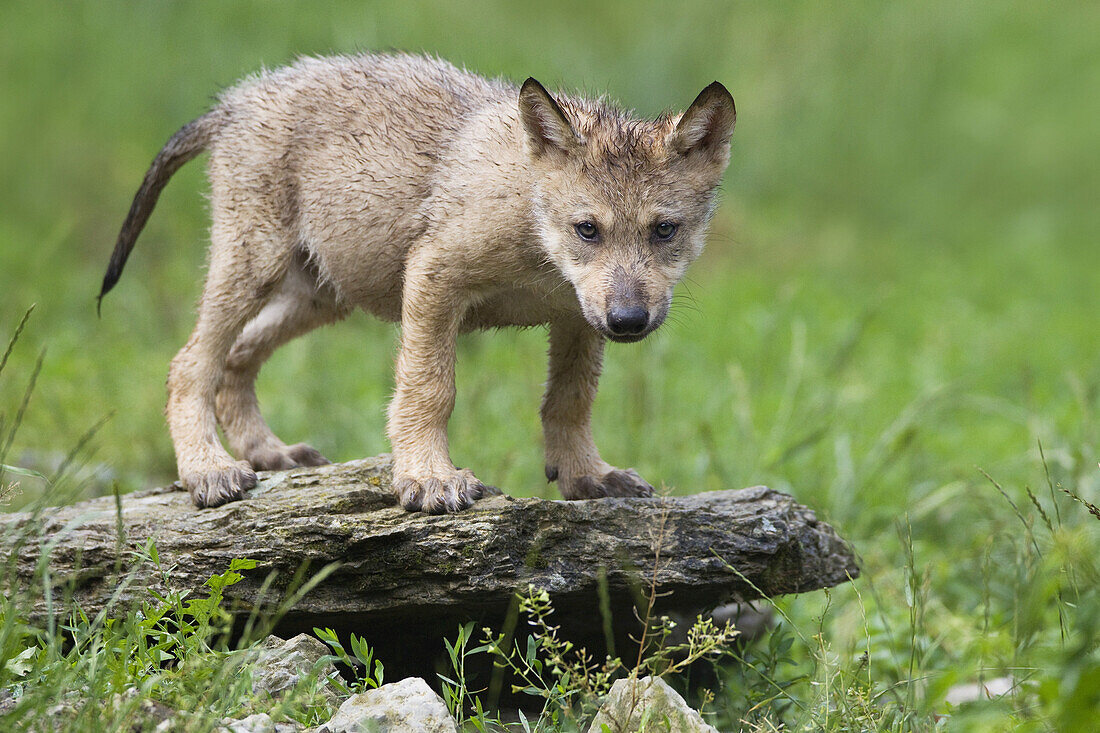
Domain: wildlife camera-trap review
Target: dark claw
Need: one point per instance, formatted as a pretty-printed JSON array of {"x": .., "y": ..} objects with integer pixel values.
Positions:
[
  {"x": 434, "y": 501},
  {"x": 409, "y": 494}
]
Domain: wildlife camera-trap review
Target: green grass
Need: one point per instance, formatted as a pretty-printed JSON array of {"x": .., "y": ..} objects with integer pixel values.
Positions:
[{"x": 901, "y": 289}]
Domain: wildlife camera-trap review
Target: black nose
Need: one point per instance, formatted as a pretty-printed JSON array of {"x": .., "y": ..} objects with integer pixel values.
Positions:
[{"x": 628, "y": 321}]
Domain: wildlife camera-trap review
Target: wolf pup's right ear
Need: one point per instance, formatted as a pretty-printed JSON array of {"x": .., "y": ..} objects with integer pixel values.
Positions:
[
  {"x": 707, "y": 125},
  {"x": 548, "y": 129}
]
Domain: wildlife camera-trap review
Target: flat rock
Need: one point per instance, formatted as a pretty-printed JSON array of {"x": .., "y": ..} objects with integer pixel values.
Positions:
[{"x": 405, "y": 579}]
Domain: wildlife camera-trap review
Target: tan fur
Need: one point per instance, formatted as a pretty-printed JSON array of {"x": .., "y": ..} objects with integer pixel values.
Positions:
[{"x": 444, "y": 201}]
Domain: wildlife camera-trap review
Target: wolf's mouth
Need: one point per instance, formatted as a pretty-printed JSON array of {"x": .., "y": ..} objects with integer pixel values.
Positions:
[{"x": 626, "y": 338}]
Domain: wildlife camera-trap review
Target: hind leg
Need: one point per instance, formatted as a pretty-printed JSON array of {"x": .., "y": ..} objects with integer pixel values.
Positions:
[
  {"x": 298, "y": 306},
  {"x": 244, "y": 268}
]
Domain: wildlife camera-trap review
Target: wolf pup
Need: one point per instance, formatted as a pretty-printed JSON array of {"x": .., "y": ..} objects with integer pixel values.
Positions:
[{"x": 447, "y": 202}]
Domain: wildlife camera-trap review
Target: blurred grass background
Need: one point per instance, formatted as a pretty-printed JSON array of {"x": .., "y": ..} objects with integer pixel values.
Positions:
[{"x": 902, "y": 284}]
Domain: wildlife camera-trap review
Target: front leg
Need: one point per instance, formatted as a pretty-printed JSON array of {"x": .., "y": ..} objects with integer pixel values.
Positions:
[
  {"x": 424, "y": 478},
  {"x": 576, "y": 359}
]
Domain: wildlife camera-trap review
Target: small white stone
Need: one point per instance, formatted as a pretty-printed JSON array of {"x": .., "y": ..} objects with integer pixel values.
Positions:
[
  {"x": 988, "y": 690},
  {"x": 407, "y": 706},
  {"x": 649, "y": 701},
  {"x": 258, "y": 723}
]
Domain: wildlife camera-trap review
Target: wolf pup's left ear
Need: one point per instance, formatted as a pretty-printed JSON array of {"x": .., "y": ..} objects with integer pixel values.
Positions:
[
  {"x": 707, "y": 124},
  {"x": 548, "y": 129}
]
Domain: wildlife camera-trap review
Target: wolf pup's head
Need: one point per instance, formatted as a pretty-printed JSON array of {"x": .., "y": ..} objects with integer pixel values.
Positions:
[{"x": 622, "y": 205}]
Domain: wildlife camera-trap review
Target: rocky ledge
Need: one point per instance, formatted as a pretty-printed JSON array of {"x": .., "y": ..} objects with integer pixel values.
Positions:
[{"x": 405, "y": 580}]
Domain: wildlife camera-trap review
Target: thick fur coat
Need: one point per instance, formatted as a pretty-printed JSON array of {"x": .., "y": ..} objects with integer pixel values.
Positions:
[{"x": 444, "y": 201}]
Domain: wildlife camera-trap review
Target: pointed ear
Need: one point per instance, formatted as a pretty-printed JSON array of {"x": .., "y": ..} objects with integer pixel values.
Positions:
[
  {"x": 546, "y": 125},
  {"x": 707, "y": 124}
]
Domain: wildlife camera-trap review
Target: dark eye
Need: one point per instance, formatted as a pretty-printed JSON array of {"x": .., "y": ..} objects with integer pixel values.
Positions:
[
  {"x": 665, "y": 230},
  {"x": 587, "y": 231}
]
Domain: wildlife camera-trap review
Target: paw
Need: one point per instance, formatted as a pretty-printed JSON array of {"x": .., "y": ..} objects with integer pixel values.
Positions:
[
  {"x": 283, "y": 457},
  {"x": 219, "y": 485},
  {"x": 452, "y": 492},
  {"x": 616, "y": 482}
]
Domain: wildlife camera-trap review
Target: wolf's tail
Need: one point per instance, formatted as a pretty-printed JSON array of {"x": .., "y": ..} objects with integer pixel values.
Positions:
[{"x": 189, "y": 141}]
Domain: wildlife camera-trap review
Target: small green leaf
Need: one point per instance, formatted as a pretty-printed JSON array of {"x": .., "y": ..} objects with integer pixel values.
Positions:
[
  {"x": 21, "y": 664},
  {"x": 242, "y": 564},
  {"x": 5, "y": 468}
]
